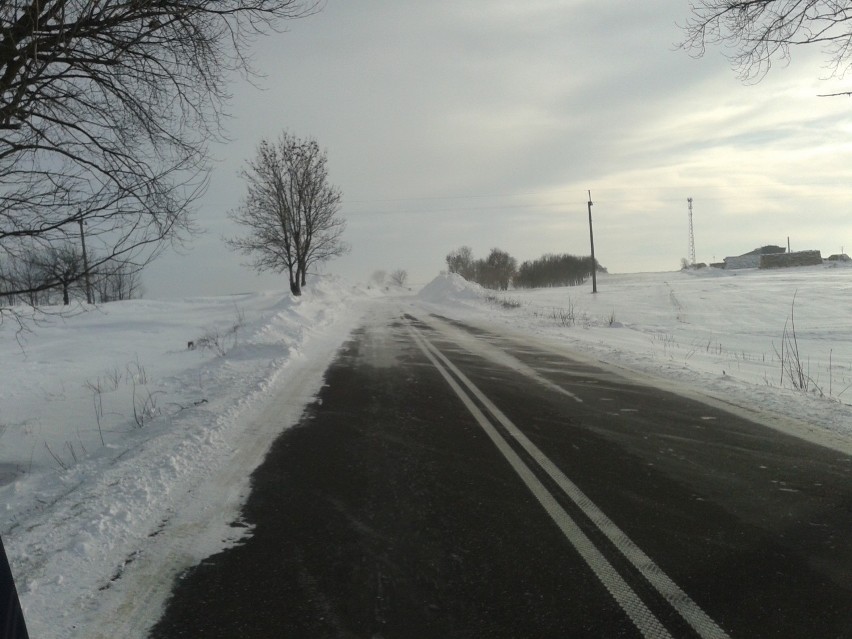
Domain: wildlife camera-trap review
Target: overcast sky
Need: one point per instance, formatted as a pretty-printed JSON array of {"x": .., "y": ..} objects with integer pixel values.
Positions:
[{"x": 485, "y": 123}]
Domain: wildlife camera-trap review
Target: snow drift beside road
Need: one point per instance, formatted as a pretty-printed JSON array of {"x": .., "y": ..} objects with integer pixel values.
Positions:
[
  {"x": 113, "y": 430},
  {"x": 717, "y": 333},
  {"x": 450, "y": 287}
]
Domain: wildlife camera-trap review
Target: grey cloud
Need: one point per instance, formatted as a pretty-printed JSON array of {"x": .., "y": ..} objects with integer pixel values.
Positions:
[{"x": 423, "y": 107}]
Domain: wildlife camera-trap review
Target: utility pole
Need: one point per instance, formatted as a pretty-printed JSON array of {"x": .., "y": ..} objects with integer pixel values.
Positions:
[
  {"x": 691, "y": 235},
  {"x": 592, "y": 241},
  {"x": 85, "y": 261}
]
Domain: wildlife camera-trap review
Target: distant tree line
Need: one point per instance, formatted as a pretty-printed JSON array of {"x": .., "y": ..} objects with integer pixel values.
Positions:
[
  {"x": 554, "y": 270},
  {"x": 500, "y": 270},
  {"x": 495, "y": 272},
  {"x": 56, "y": 274}
]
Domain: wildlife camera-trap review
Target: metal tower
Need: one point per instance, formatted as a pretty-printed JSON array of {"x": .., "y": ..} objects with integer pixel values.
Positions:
[{"x": 691, "y": 235}]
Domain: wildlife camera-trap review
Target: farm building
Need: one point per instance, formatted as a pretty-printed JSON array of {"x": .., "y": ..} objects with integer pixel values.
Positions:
[{"x": 773, "y": 257}]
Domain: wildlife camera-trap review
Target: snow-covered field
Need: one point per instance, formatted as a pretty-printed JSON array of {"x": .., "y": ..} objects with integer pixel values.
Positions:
[
  {"x": 718, "y": 334},
  {"x": 121, "y": 449}
]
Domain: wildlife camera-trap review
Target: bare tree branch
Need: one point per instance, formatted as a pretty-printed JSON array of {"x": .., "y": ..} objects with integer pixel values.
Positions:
[
  {"x": 759, "y": 32},
  {"x": 107, "y": 108}
]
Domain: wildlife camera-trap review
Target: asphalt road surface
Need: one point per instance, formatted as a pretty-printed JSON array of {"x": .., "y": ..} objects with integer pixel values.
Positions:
[{"x": 451, "y": 482}]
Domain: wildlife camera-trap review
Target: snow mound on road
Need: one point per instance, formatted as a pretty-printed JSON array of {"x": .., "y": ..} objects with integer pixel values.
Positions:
[{"x": 450, "y": 286}]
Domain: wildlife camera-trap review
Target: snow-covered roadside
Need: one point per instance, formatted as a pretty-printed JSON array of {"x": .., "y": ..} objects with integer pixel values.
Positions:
[
  {"x": 711, "y": 334},
  {"x": 97, "y": 529},
  {"x": 125, "y": 456}
]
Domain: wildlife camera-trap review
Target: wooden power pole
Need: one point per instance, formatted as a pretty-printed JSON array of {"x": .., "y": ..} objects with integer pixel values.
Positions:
[
  {"x": 85, "y": 261},
  {"x": 592, "y": 241}
]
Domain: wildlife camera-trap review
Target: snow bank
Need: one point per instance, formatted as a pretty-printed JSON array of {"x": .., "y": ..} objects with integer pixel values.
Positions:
[
  {"x": 117, "y": 439},
  {"x": 450, "y": 287}
]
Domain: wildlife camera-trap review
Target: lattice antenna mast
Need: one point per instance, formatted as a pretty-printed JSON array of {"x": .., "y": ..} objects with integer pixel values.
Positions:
[{"x": 691, "y": 234}]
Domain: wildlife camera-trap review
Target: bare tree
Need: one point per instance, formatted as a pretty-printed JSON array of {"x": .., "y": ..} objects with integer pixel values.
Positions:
[
  {"x": 761, "y": 31},
  {"x": 497, "y": 270},
  {"x": 290, "y": 210},
  {"x": 5, "y": 279},
  {"x": 399, "y": 277},
  {"x": 18, "y": 275},
  {"x": 379, "y": 277},
  {"x": 24, "y": 280},
  {"x": 461, "y": 261},
  {"x": 62, "y": 267},
  {"x": 106, "y": 111},
  {"x": 114, "y": 282}
]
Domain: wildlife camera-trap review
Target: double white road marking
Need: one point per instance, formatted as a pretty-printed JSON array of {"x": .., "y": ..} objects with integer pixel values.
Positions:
[{"x": 643, "y": 618}]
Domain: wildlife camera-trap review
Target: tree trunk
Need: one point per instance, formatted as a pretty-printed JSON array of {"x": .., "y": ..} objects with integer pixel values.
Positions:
[
  {"x": 295, "y": 289},
  {"x": 66, "y": 300},
  {"x": 300, "y": 274}
]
